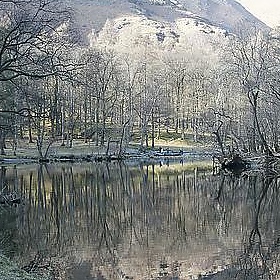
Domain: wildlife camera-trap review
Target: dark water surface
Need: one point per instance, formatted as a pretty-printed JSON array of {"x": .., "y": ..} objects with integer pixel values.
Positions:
[{"x": 120, "y": 221}]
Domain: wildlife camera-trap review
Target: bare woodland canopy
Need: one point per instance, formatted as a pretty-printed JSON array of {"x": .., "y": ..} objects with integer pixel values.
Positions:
[{"x": 54, "y": 88}]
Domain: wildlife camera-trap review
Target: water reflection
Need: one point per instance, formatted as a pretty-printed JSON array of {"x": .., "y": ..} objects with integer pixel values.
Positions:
[{"x": 115, "y": 221}]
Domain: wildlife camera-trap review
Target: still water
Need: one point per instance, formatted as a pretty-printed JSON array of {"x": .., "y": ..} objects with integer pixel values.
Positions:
[{"x": 138, "y": 221}]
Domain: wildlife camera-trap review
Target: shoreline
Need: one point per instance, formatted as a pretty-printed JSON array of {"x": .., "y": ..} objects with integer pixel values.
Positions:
[
  {"x": 104, "y": 159},
  {"x": 82, "y": 154}
]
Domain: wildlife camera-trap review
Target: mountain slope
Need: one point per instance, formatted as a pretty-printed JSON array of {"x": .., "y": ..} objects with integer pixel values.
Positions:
[
  {"x": 226, "y": 14},
  {"x": 139, "y": 34}
]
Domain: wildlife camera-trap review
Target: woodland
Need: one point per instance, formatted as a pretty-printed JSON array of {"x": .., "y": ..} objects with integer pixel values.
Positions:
[{"x": 54, "y": 89}]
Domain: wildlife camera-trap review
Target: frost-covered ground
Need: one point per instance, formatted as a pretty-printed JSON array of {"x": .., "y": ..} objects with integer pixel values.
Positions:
[{"x": 10, "y": 271}]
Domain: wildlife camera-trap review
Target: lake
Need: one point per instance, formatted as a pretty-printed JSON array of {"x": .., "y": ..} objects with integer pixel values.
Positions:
[{"x": 140, "y": 221}]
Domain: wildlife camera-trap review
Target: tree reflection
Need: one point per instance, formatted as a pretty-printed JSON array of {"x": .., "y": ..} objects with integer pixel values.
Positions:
[
  {"x": 259, "y": 260},
  {"x": 148, "y": 221},
  {"x": 260, "y": 256}
]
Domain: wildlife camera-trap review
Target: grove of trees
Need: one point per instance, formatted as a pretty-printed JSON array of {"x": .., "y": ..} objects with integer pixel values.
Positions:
[{"x": 53, "y": 88}]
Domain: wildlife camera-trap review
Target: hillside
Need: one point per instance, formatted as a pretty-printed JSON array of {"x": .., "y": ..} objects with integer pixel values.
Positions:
[
  {"x": 139, "y": 34},
  {"x": 138, "y": 26},
  {"x": 226, "y": 14}
]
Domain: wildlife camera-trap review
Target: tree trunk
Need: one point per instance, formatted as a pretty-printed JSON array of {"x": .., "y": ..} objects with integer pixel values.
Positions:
[
  {"x": 262, "y": 138},
  {"x": 30, "y": 130},
  {"x": 2, "y": 142},
  {"x": 153, "y": 130}
]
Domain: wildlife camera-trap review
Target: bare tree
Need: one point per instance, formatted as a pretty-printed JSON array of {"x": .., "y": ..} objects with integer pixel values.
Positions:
[
  {"x": 34, "y": 39},
  {"x": 31, "y": 35},
  {"x": 251, "y": 65}
]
